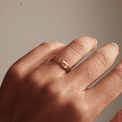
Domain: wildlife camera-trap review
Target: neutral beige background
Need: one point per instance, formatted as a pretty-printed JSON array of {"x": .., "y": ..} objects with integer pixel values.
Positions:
[{"x": 24, "y": 24}]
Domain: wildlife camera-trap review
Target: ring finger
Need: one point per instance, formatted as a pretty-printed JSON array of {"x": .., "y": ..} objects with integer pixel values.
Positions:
[{"x": 74, "y": 52}]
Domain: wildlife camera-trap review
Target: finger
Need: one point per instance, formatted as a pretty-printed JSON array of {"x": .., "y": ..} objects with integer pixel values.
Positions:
[
  {"x": 37, "y": 56},
  {"x": 75, "y": 51},
  {"x": 94, "y": 66},
  {"x": 106, "y": 90},
  {"x": 117, "y": 117}
]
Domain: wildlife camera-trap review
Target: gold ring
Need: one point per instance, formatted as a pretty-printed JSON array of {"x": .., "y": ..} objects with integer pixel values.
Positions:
[{"x": 61, "y": 62}]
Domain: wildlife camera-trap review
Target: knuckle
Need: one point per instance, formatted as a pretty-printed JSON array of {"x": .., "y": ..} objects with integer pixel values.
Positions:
[
  {"x": 104, "y": 57},
  {"x": 79, "y": 43},
  {"x": 50, "y": 89},
  {"x": 53, "y": 90},
  {"x": 44, "y": 45},
  {"x": 92, "y": 69},
  {"x": 32, "y": 78},
  {"x": 57, "y": 90},
  {"x": 118, "y": 71},
  {"x": 78, "y": 46},
  {"x": 36, "y": 78},
  {"x": 47, "y": 45},
  {"x": 16, "y": 71},
  {"x": 83, "y": 44}
]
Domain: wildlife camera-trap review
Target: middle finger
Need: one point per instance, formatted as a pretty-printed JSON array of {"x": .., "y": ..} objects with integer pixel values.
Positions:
[{"x": 94, "y": 66}]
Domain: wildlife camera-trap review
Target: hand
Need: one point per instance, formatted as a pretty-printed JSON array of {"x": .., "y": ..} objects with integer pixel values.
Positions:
[{"x": 37, "y": 90}]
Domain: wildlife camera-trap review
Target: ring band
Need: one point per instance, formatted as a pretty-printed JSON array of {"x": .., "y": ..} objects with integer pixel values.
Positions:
[{"x": 61, "y": 62}]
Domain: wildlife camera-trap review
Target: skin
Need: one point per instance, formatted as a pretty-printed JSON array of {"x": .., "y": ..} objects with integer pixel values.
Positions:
[
  {"x": 36, "y": 89},
  {"x": 117, "y": 117}
]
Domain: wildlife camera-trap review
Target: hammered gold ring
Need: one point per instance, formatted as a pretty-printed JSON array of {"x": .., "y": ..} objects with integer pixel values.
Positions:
[{"x": 61, "y": 62}]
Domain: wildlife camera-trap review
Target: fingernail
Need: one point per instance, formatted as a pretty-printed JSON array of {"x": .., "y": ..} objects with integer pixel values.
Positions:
[
  {"x": 95, "y": 40},
  {"x": 115, "y": 44}
]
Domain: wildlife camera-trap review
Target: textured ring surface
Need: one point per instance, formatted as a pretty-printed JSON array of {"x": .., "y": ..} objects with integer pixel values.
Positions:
[{"x": 61, "y": 62}]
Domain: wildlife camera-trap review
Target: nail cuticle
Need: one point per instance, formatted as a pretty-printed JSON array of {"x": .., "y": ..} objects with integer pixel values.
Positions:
[
  {"x": 115, "y": 44},
  {"x": 95, "y": 41}
]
